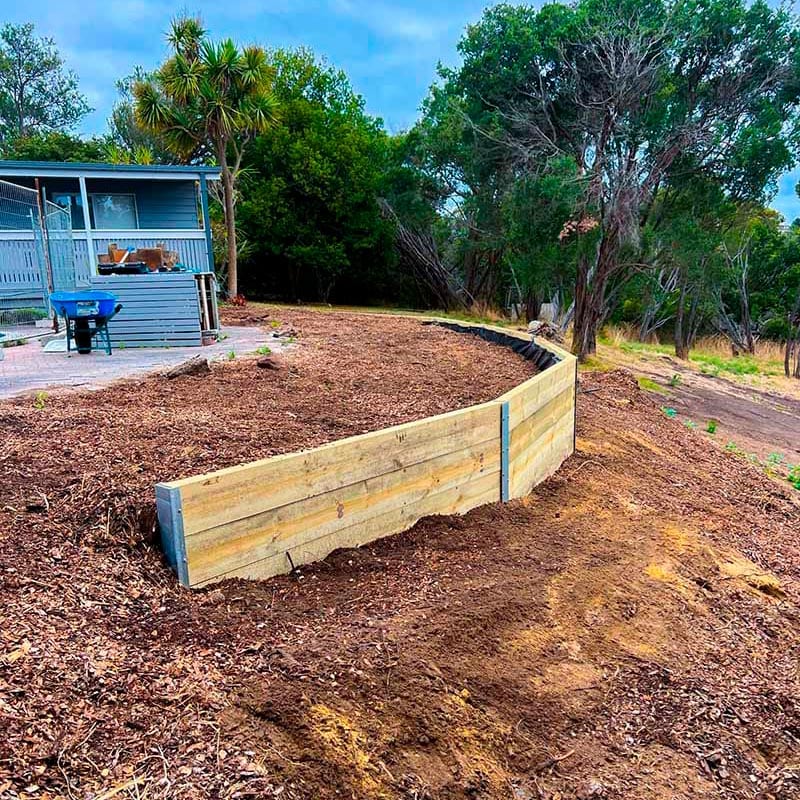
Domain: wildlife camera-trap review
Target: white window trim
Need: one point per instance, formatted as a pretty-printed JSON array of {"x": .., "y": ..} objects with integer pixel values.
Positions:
[{"x": 93, "y": 195}]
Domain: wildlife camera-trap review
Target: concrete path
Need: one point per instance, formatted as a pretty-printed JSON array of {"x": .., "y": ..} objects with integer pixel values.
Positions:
[{"x": 27, "y": 368}]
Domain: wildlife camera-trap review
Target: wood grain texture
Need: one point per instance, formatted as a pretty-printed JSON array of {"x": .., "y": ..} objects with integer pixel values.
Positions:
[{"x": 259, "y": 519}]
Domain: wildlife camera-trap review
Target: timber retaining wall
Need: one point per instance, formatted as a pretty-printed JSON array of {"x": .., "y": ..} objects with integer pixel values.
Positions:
[{"x": 267, "y": 517}]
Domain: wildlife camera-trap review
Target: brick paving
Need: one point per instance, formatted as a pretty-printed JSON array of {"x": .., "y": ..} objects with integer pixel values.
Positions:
[{"x": 27, "y": 368}]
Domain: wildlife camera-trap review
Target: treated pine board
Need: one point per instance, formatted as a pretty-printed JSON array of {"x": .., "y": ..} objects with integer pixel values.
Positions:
[
  {"x": 236, "y": 543},
  {"x": 456, "y": 500},
  {"x": 247, "y": 489},
  {"x": 545, "y": 457},
  {"x": 558, "y": 351},
  {"x": 562, "y": 405},
  {"x": 525, "y": 399}
]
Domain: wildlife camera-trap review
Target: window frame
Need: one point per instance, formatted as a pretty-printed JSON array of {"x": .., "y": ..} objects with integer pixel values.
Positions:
[{"x": 93, "y": 195}]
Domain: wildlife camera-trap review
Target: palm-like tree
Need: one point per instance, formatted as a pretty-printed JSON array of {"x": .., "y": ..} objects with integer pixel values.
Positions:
[{"x": 209, "y": 99}]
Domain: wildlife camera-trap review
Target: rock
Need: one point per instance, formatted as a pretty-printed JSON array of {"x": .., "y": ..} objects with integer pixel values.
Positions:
[
  {"x": 267, "y": 363},
  {"x": 591, "y": 790},
  {"x": 194, "y": 366},
  {"x": 546, "y": 330}
]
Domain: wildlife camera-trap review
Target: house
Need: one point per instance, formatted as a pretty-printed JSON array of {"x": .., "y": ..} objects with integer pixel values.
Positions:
[
  {"x": 58, "y": 220},
  {"x": 87, "y": 207}
]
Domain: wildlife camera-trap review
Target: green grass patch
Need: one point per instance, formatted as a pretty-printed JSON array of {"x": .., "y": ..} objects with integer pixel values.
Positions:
[
  {"x": 595, "y": 364},
  {"x": 649, "y": 385}
]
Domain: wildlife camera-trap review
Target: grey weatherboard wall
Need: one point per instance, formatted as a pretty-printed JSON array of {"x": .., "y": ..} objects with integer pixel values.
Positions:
[
  {"x": 165, "y": 205},
  {"x": 159, "y": 310}
]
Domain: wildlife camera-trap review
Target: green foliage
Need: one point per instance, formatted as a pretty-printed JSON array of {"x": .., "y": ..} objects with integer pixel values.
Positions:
[
  {"x": 264, "y": 351},
  {"x": 128, "y": 142},
  {"x": 37, "y": 95},
  {"x": 669, "y": 412},
  {"x": 794, "y": 476},
  {"x": 650, "y": 385},
  {"x": 231, "y": 356},
  {"x": 309, "y": 206},
  {"x": 40, "y": 401},
  {"x": 714, "y": 365},
  {"x": 207, "y": 100},
  {"x": 675, "y": 380},
  {"x": 54, "y": 146},
  {"x": 711, "y": 426}
]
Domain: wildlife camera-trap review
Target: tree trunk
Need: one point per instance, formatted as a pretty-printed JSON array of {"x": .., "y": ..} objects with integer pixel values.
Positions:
[
  {"x": 681, "y": 346},
  {"x": 230, "y": 221},
  {"x": 588, "y": 308}
]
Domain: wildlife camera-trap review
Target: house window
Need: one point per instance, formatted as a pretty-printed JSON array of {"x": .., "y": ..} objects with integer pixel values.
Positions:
[
  {"x": 72, "y": 202},
  {"x": 114, "y": 212}
]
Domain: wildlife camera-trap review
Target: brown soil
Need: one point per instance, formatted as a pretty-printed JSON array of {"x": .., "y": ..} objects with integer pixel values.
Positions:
[
  {"x": 757, "y": 421},
  {"x": 630, "y": 630}
]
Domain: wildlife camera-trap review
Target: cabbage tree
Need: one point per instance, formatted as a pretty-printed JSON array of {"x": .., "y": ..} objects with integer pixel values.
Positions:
[{"x": 208, "y": 100}]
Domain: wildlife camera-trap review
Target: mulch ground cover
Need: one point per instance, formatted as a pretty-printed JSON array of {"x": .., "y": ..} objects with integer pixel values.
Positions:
[{"x": 629, "y": 630}]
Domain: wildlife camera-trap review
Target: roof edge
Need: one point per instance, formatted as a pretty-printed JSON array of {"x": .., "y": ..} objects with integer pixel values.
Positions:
[{"x": 80, "y": 166}]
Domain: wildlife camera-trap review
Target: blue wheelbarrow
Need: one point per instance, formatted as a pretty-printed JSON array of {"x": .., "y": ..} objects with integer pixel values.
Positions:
[{"x": 86, "y": 316}]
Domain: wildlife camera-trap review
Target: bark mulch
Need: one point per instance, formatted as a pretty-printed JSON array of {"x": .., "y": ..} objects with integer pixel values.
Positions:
[{"x": 630, "y": 630}]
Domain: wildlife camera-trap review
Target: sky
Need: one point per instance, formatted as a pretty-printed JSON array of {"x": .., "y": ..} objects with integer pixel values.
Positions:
[{"x": 389, "y": 49}]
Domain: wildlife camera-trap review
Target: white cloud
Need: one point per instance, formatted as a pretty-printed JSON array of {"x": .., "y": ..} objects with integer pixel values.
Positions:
[{"x": 393, "y": 21}]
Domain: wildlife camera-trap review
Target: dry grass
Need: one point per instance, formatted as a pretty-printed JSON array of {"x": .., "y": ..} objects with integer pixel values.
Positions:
[
  {"x": 619, "y": 334},
  {"x": 718, "y": 345}
]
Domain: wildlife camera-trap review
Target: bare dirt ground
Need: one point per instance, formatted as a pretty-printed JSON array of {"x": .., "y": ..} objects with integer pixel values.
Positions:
[
  {"x": 757, "y": 421},
  {"x": 630, "y": 630}
]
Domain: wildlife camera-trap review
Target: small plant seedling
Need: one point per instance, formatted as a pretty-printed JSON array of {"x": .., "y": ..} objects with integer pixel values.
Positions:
[
  {"x": 291, "y": 340},
  {"x": 794, "y": 476},
  {"x": 670, "y": 412},
  {"x": 274, "y": 324},
  {"x": 675, "y": 380},
  {"x": 231, "y": 355},
  {"x": 732, "y": 447},
  {"x": 222, "y": 337},
  {"x": 775, "y": 458},
  {"x": 40, "y": 401},
  {"x": 264, "y": 351},
  {"x": 690, "y": 424},
  {"x": 711, "y": 426}
]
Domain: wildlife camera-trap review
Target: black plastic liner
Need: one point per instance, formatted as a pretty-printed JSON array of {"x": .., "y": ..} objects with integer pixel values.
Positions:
[{"x": 540, "y": 356}]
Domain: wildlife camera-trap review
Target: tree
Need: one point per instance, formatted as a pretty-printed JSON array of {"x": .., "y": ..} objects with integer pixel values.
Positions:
[
  {"x": 37, "y": 95},
  {"x": 127, "y": 141},
  {"x": 310, "y": 211},
  {"x": 54, "y": 146},
  {"x": 209, "y": 100},
  {"x": 639, "y": 93}
]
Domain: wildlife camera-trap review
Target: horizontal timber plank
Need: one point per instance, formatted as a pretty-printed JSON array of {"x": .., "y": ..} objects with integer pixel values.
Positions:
[
  {"x": 528, "y": 430},
  {"x": 454, "y": 500},
  {"x": 259, "y": 519},
  {"x": 545, "y": 456},
  {"x": 247, "y": 489},
  {"x": 279, "y": 529},
  {"x": 526, "y": 398}
]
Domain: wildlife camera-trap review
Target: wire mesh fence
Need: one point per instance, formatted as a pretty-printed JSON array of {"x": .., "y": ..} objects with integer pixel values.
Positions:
[
  {"x": 19, "y": 207},
  {"x": 37, "y": 254}
]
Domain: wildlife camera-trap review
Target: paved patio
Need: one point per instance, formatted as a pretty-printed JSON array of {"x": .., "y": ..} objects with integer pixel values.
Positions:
[{"x": 27, "y": 368}]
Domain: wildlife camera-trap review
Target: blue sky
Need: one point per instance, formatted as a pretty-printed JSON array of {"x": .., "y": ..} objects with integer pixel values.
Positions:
[{"x": 388, "y": 49}]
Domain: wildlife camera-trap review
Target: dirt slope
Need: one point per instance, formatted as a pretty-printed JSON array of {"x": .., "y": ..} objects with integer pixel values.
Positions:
[{"x": 629, "y": 630}]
